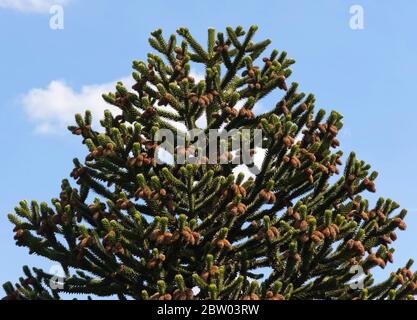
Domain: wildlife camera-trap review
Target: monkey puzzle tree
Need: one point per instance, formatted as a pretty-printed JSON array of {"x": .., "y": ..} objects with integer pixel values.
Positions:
[{"x": 160, "y": 230}]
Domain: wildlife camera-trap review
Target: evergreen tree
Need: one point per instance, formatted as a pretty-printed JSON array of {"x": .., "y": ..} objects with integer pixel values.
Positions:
[{"x": 299, "y": 229}]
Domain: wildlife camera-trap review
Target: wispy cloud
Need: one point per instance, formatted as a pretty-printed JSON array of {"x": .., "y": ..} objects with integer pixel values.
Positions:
[
  {"x": 258, "y": 158},
  {"x": 53, "y": 108},
  {"x": 33, "y": 6}
]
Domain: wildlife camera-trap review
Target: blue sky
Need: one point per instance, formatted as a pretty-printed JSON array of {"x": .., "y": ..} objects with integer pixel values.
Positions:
[{"x": 46, "y": 75}]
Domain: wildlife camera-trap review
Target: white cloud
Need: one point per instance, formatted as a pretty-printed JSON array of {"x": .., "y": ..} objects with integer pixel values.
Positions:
[
  {"x": 35, "y": 6},
  {"x": 53, "y": 108},
  {"x": 258, "y": 159}
]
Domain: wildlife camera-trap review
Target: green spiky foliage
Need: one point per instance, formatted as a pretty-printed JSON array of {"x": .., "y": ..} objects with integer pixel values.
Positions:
[{"x": 155, "y": 231}]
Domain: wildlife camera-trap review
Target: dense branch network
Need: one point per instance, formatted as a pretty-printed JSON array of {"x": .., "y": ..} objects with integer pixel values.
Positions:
[{"x": 137, "y": 228}]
